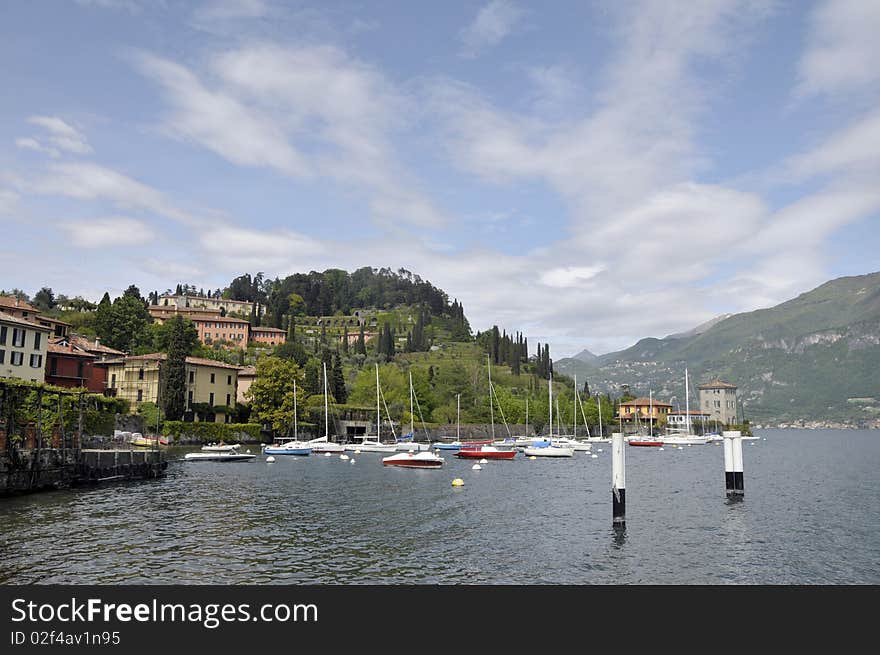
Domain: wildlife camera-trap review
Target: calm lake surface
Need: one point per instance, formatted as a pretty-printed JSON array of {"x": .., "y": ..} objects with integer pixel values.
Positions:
[{"x": 811, "y": 515}]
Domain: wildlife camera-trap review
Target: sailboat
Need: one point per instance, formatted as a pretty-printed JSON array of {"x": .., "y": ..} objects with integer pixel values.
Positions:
[
  {"x": 323, "y": 444},
  {"x": 546, "y": 448},
  {"x": 487, "y": 451},
  {"x": 421, "y": 459},
  {"x": 573, "y": 443},
  {"x": 649, "y": 440},
  {"x": 452, "y": 445},
  {"x": 286, "y": 445},
  {"x": 675, "y": 437},
  {"x": 368, "y": 445}
]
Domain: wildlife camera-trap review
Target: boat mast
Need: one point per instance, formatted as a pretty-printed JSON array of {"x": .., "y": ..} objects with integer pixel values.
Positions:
[
  {"x": 458, "y": 417},
  {"x": 599, "y": 398},
  {"x": 378, "y": 415},
  {"x": 651, "y": 411},
  {"x": 550, "y": 387},
  {"x": 326, "y": 417},
  {"x": 294, "y": 409},
  {"x": 575, "y": 435},
  {"x": 491, "y": 405},
  {"x": 687, "y": 403},
  {"x": 527, "y": 416},
  {"x": 412, "y": 429}
]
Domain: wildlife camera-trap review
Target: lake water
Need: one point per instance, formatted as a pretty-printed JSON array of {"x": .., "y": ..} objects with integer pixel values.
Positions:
[{"x": 811, "y": 515}]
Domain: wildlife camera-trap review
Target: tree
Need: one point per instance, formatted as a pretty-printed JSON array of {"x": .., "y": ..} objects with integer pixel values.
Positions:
[
  {"x": 179, "y": 347},
  {"x": 292, "y": 350},
  {"x": 178, "y": 325},
  {"x": 271, "y": 394},
  {"x": 345, "y": 339},
  {"x": 337, "y": 381},
  {"x": 44, "y": 299},
  {"x": 361, "y": 347},
  {"x": 124, "y": 324}
]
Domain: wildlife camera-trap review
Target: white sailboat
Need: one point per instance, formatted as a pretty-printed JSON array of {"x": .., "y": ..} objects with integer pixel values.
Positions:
[
  {"x": 323, "y": 444},
  {"x": 546, "y": 448},
  {"x": 677, "y": 437},
  {"x": 368, "y": 445},
  {"x": 413, "y": 459},
  {"x": 573, "y": 443}
]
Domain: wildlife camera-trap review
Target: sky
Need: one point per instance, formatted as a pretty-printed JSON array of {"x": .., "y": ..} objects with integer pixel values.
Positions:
[{"x": 588, "y": 173}]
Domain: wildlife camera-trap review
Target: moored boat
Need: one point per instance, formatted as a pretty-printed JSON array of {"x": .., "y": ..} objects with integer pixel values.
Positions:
[
  {"x": 645, "y": 441},
  {"x": 422, "y": 459},
  {"x": 219, "y": 457},
  {"x": 220, "y": 448},
  {"x": 487, "y": 452},
  {"x": 137, "y": 439}
]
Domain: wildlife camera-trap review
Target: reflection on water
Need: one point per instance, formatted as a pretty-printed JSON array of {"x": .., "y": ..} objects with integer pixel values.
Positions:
[{"x": 811, "y": 516}]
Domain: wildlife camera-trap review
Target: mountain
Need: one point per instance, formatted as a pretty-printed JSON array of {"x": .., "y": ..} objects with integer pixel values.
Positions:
[
  {"x": 585, "y": 356},
  {"x": 702, "y": 327},
  {"x": 813, "y": 358}
]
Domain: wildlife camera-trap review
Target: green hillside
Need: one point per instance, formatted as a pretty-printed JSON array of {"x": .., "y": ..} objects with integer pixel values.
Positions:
[{"x": 813, "y": 358}]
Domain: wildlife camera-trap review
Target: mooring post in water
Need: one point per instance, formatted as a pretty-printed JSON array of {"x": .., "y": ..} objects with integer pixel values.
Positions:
[
  {"x": 733, "y": 463},
  {"x": 618, "y": 479}
]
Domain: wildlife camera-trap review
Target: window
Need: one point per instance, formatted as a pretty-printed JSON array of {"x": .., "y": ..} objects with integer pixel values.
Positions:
[
  {"x": 2, "y": 356},
  {"x": 189, "y": 397},
  {"x": 211, "y": 399},
  {"x": 53, "y": 366},
  {"x": 229, "y": 380},
  {"x": 37, "y": 339},
  {"x": 18, "y": 337},
  {"x": 17, "y": 358},
  {"x": 228, "y": 399},
  {"x": 140, "y": 374},
  {"x": 212, "y": 378},
  {"x": 113, "y": 381},
  {"x": 79, "y": 369},
  {"x": 2, "y": 335},
  {"x": 140, "y": 395},
  {"x": 192, "y": 377},
  {"x": 718, "y": 403}
]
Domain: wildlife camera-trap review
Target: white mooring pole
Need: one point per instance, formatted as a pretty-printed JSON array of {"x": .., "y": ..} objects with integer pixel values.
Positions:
[
  {"x": 618, "y": 479},
  {"x": 733, "y": 463}
]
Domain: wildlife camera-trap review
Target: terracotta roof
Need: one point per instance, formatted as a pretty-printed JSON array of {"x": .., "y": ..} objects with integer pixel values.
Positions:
[
  {"x": 161, "y": 357},
  {"x": 247, "y": 371},
  {"x": 14, "y": 303},
  {"x": 693, "y": 412},
  {"x": 267, "y": 329},
  {"x": 71, "y": 350},
  {"x": 645, "y": 402},
  {"x": 9, "y": 318},
  {"x": 54, "y": 321},
  {"x": 717, "y": 384},
  {"x": 93, "y": 346}
]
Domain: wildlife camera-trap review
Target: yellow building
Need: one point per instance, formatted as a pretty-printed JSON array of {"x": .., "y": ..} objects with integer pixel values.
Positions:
[
  {"x": 643, "y": 409},
  {"x": 137, "y": 379},
  {"x": 23, "y": 348},
  {"x": 246, "y": 377}
]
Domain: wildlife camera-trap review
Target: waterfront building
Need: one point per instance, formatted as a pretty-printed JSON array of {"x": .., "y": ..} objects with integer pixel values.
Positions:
[
  {"x": 138, "y": 379},
  {"x": 21, "y": 309},
  {"x": 718, "y": 399},
  {"x": 246, "y": 377},
  {"x": 68, "y": 365},
  {"x": 679, "y": 419},
  {"x": 23, "y": 346},
  {"x": 643, "y": 410},
  {"x": 268, "y": 336}
]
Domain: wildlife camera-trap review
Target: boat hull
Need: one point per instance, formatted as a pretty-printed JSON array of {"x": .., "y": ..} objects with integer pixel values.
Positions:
[
  {"x": 645, "y": 443},
  {"x": 549, "y": 451},
  {"x": 287, "y": 451},
  {"x": 466, "y": 453},
  {"x": 218, "y": 457},
  {"x": 422, "y": 460}
]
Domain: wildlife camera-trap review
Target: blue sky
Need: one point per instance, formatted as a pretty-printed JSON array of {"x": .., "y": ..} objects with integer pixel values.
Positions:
[{"x": 588, "y": 172}]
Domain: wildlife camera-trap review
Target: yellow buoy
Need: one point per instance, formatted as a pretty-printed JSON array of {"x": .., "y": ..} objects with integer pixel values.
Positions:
[
  {"x": 533, "y": 457},
  {"x": 357, "y": 451},
  {"x": 458, "y": 482}
]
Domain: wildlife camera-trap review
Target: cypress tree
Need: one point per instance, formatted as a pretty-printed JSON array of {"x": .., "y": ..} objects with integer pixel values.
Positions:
[
  {"x": 337, "y": 382},
  {"x": 345, "y": 339},
  {"x": 174, "y": 397},
  {"x": 361, "y": 343}
]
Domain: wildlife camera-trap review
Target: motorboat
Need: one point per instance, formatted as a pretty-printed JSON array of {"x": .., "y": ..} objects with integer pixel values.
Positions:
[
  {"x": 219, "y": 457},
  {"x": 685, "y": 440},
  {"x": 220, "y": 448},
  {"x": 574, "y": 444},
  {"x": 446, "y": 445},
  {"x": 423, "y": 459},
  {"x": 485, "y": 452},
  {"x": 645, "y": 441},
  {"x": 137, "y": 439}
]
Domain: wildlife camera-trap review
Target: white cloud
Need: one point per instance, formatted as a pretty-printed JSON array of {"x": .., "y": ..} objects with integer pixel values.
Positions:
[
  {"x": 570, "y": 276},
  {"x": 88, "y": 181},
  {"x": 8, "y": 202},
  {"x": 854, "y": 148},
  {"x": 62, "y": 135},
  {"x": 231, "y": 9},
  {"x": 27, "y": 143},
  {"x": 843, "y": 49},
  {"x": 239, "y": 248},
  {"x": 492, "y": 24},
  {"x": 308, "y": 112},
  {"x": 108, "y": 232}
]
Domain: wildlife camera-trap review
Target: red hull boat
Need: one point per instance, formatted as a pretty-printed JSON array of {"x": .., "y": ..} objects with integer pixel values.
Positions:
[
  {"x": 645, "y": 443},
  {"x": 481, "y": 453}
]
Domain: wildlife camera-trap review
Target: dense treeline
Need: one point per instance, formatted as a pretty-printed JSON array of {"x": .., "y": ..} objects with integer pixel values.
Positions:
[
  {"x": 335, "y": 290},
  {"x": 513, "y": 350}
]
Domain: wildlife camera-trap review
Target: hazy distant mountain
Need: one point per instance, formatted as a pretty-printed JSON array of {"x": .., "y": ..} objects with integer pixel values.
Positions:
[
  {"x": 815, "y": 357},
  {"x": 585, "y": 356}
]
